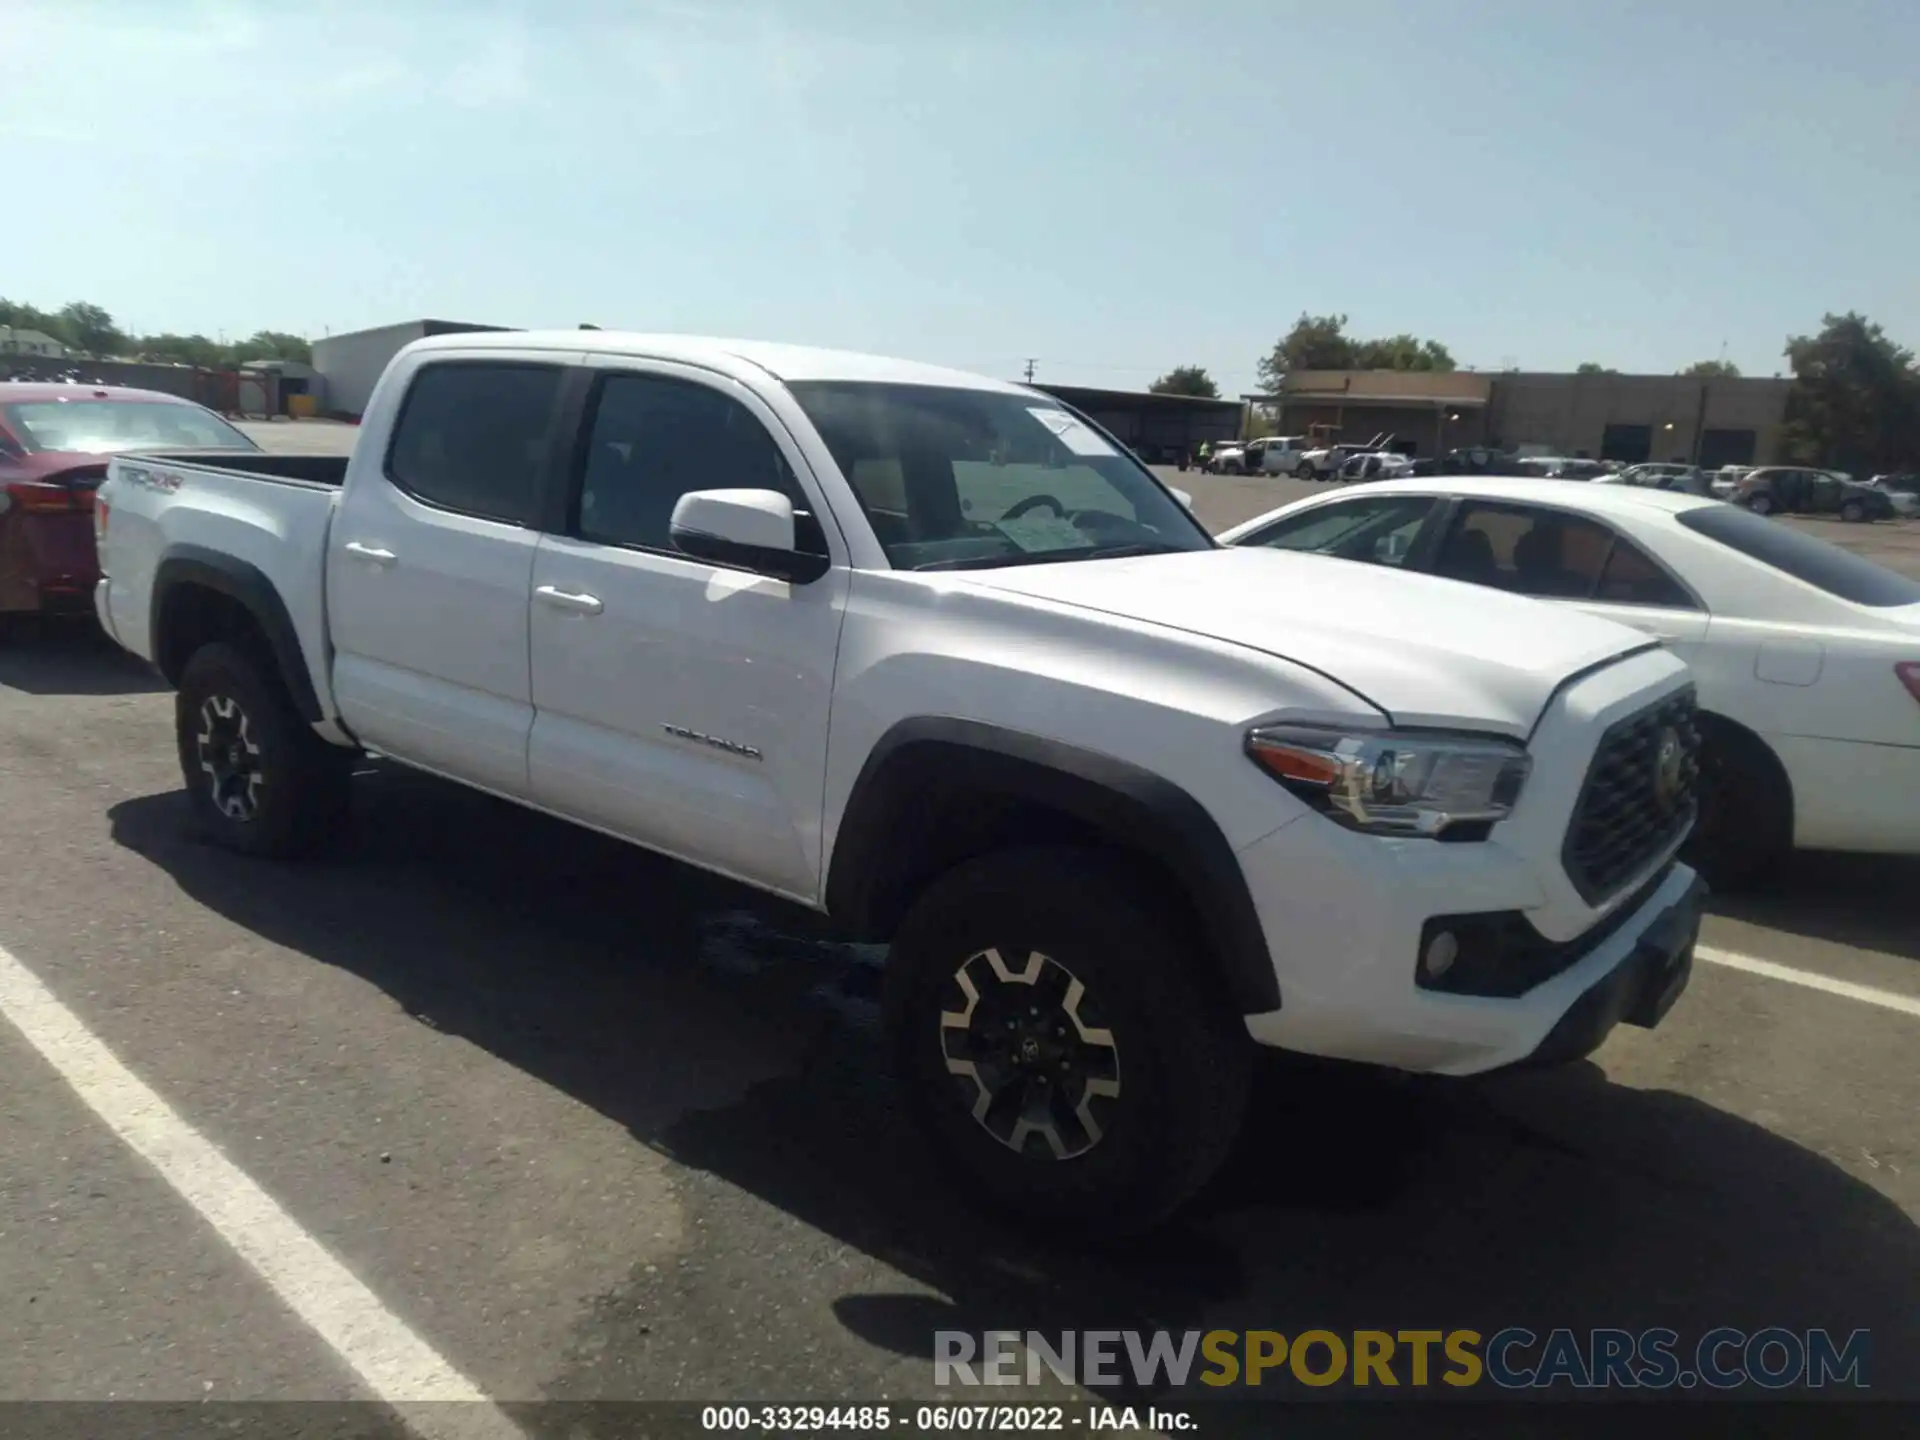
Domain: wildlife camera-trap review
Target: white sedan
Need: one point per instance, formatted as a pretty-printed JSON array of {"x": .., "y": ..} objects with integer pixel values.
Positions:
[{"x": 1807, "y": 656}]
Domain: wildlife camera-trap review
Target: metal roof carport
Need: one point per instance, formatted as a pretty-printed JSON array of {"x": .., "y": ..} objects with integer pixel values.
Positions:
[{"x": 1158, "y": 428}]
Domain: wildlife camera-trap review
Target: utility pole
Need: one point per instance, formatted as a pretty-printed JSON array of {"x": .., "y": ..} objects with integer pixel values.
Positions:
[{"x": 1030, "y": 365}]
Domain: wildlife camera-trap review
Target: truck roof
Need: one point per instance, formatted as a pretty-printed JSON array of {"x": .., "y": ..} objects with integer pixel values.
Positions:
[{"x": 784, "y": 362}]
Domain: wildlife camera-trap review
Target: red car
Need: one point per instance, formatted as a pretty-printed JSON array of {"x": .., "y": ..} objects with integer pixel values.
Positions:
[{"x": 54, "y": 440}]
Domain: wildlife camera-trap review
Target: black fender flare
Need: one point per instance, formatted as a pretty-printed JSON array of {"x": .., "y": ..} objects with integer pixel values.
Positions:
[
  {"x": 247, "y": 585},
  {"x": 1130, "y": 807}
]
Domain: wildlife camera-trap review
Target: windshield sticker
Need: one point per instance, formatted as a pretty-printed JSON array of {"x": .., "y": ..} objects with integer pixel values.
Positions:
[
  {"x": 1070, "y": 432},
  {"x": 1035, "y": 532}
]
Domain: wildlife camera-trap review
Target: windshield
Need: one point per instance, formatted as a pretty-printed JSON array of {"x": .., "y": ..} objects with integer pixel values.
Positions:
[
  {"x": 100, "y": 427},
  {"x": 952, "y": 478}
]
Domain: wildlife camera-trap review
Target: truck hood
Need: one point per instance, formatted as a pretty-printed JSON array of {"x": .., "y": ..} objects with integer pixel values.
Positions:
[{"x": 1424, "y": 650}]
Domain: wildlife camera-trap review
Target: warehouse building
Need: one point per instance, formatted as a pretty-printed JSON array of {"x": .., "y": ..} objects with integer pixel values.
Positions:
[
  {"x": 1157, "y": 428},
  {"x": 1630, "y": 418},
  {"x": 350, "y": 365}
]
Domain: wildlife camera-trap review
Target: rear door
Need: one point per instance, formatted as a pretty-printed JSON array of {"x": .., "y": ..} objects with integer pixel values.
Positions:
[
  {"x": 430, "y": 564},
  {"x": 1566, "y": 558},
  {"x": 681, "y": 703}
]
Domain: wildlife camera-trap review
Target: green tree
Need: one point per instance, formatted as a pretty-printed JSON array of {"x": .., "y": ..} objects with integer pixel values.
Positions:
[
  {"x": 1401, "y": 352},
  {"x": 1593, "y": 367},
  {"x": 270, "y": 345},
  {"x": 27, "y": 317},
  {"x": 1320, "y": 342},
  {"x": 1713, "y": 370},
  {"x": 182, "y": 350},
  {"x": 1186, "y": 380},
  {"x": 90, "y": 328},
  {"x": 1316, "y": 342},
  {"x": 1855, "y": 401}
]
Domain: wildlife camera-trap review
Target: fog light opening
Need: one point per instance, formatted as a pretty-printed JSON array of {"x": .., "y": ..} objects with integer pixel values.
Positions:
[{"x": 1442, "y": 950}]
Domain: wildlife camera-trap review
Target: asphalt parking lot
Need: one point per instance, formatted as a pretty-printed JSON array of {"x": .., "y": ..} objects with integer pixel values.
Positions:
[{"x": 588, "y": 1125}]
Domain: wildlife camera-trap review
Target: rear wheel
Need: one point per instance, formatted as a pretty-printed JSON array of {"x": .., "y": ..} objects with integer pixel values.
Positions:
[
  {"x": 1059, "y": 1043},
  {"x": 1745, "y": 826},
  {"x": 1761, "y": 504},
  {"x": 258, "y": 779}
]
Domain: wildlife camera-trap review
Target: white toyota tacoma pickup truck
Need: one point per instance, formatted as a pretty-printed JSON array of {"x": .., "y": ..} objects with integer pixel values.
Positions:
[{"x": 932, "y": 654}]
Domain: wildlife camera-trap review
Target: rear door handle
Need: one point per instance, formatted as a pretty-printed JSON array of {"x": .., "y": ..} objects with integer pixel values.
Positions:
[
  {"x": 569, "y": 600},
  {"x": 373, "y": 554}
]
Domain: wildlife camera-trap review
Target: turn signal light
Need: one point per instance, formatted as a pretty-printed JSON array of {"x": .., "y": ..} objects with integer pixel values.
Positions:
[{"x": 1909, "y": 673}]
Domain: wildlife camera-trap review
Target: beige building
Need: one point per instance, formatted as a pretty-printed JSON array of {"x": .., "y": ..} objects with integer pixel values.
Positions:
[{"x": 1708, "y": 422}]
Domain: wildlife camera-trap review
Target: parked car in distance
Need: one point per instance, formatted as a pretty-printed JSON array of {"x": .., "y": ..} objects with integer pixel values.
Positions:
[
  {"x": 1124, "y": 803},
  {"x": 1560, "y": 467},
  {"x": 54, "y": 444},
  {"x": 1793, "y": 490},
  {"x": 1227, "y": 459},
  {"x": 1682, "y": 479},
  {"x": 1724, "y": 481},
  {"x": 1903, "y": 488},
  {"x": 1275, "y": 454},
  {"x": 1374, "y": 465},
  {"x": 1807, "y": 656}
]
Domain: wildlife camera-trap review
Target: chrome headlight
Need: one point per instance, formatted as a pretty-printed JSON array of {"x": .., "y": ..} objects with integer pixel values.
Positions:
[{"x": 1394, "y": 782}]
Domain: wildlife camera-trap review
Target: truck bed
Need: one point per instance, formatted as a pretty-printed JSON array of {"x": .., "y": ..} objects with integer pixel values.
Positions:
[{"x": 327, "y": 470}]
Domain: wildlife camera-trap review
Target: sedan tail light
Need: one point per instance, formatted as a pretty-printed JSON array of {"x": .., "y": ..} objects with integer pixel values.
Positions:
[
  {"x": 1909, "y": 673},
  {"x": 38, "y": 497}
]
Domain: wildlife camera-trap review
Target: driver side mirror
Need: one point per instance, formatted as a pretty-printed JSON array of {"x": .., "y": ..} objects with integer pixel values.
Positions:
[
  {"x": 748, "y": 529},
  {"x": 1183, "y": 496}
]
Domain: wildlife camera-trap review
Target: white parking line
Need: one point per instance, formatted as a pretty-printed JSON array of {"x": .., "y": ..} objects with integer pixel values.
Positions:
[
  {"x": 396, "y": 1364},
  {"x": 1813, "y": 980}
]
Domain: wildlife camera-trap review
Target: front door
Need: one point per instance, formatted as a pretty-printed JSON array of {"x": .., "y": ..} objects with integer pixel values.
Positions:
[
  {"x": 429, "y": 564},
  {"x": 681, "y": 703}
]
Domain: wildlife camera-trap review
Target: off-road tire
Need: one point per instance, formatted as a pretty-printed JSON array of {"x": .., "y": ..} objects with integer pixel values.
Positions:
[
  {"x": 301, "y": 792},
  {"x": 1181, "y": 1056}
]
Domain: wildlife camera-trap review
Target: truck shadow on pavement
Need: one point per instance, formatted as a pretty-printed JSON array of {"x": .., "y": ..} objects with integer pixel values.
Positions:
[
  {"x": 70, "y": 657},
  {"x": 1872, "y": 901},
  {"x": 1354, "y": 1201}
]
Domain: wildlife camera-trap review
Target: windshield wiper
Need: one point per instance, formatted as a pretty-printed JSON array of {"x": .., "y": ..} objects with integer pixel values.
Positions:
[{"x": 1042, "y": 557}]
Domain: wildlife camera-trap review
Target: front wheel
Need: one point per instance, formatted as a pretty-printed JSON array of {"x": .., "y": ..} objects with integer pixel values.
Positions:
[
  {"x": 1303, "y": 471},
  {"x": 1853, "y": 512},
  {"x": 258, "y": 779},
  {"x": 1062, "y": 1047}
]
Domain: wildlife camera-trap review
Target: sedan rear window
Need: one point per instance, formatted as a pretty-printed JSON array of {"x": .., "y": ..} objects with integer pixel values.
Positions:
[
  {"x": 1826, "y": 567},
  {"x": 100, "y": 427}
]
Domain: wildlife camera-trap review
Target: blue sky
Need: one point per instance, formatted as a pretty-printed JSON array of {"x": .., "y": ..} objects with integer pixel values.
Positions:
[{"x": 1111, "y": 186}]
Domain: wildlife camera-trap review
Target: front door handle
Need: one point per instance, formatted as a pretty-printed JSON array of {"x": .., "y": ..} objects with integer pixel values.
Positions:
[
  {"x": 372, "y": 554},
  {"x": 570, "y": 600}
]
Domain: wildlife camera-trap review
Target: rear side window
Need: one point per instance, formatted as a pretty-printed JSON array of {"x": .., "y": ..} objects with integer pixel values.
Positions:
[
  {"x": 476, "y": 438},
  {"x": 1825, "y": 567}
]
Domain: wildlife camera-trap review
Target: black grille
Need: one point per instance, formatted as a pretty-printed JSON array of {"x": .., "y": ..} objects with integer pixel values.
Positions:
[{"x": 1626, "y": 817}]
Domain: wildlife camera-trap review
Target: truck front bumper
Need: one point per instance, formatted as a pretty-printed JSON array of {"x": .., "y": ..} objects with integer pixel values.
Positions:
[{"x": 1349, "y": 966}]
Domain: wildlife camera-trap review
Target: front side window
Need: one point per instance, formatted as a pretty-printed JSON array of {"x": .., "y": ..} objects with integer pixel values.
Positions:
[
  {"x": 475, "y": 438},
  {"x": 953, "y": 478},
  {"x": 654, "y": 438},
  {"x": 1379, "y": 530},
  {"x": 105, "y": 427}
]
